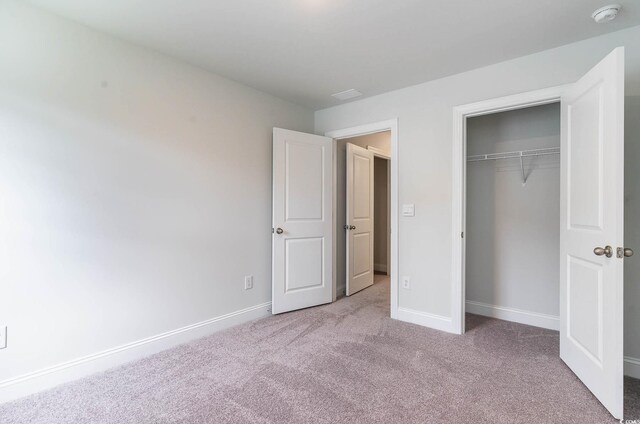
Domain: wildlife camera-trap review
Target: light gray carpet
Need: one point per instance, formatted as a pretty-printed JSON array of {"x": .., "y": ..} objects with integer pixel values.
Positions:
[{"x": 341, "y": 363}]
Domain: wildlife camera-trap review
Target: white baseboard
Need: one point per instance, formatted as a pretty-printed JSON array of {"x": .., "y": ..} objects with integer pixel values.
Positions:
[
  {"x": 437, "y": 322},
  {"x": 632, "y": 367},
  {"x": 380, "y": 267},
  {"x": 535, "y": 319},
  {"x": 45, "y": 378}
]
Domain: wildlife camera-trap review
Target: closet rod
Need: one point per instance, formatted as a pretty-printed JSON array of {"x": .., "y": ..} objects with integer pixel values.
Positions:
[{"x": 520, "y": 154}]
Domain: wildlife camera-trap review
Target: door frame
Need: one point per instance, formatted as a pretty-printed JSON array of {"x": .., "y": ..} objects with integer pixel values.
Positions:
[
  {"x": 376, "y": 127},
  {"x": 459, "y": 165}
]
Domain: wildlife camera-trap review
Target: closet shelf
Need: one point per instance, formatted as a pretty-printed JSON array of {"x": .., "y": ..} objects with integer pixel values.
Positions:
[
  {"x": 512, "y": 155},
  {"x": 520, "y": 154}
]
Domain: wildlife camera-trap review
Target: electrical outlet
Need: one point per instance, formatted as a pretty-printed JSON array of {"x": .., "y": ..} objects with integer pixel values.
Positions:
[
  {"x": 3, "y": 336},
  {"x": 406, "y": 283},
  {"x": 248, "y": 282}
]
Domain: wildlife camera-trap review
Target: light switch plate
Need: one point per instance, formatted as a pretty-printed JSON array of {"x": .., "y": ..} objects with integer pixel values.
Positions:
[
  {"x": 408, "y": 209},
  {"x": 3, "y": 336}
]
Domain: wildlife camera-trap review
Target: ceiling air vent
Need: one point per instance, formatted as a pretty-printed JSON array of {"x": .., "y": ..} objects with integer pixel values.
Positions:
[{"x": 347, "y": 94}]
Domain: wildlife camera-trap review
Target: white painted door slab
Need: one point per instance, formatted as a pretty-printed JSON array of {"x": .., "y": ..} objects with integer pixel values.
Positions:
[
  {"x": 591, "y": 302},
  {"x": 359, "y": 218},
  {"x": 302, "y": 252}
]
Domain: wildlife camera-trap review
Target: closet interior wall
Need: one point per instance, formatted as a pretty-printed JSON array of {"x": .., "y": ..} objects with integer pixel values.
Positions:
[{"x": 513, "y": 229}]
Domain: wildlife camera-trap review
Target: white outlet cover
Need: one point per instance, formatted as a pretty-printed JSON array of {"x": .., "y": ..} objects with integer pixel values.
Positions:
[
  {"x": 248, "y": 282},
  {"x": 406, "y": 283}
]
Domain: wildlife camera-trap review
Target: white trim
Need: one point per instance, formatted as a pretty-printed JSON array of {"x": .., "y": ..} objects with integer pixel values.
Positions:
[
  {"x": 389, "y": 125},
  {"x": 437, "y": 322},
  {"x": 45, "y": 378},
  {"x": 551, "y": 322},
  {"x": 632, "y": 367},
  {"x": 459, "y": 166}
]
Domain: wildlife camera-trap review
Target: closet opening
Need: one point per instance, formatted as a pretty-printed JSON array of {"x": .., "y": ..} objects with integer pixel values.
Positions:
[{"x": 512, "y": 212}]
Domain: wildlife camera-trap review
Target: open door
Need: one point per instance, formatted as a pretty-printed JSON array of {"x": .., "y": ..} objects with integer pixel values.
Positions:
[
  {"x": 359, "y": 226},
  {"x": 302, "y": 252},
  {"x": 591, "y": 230}
]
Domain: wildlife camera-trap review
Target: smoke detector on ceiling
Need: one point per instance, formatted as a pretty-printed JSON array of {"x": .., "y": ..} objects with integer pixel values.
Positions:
[
  {"x": 606, "y": 14},
  {"x": 347, "y": 94}
]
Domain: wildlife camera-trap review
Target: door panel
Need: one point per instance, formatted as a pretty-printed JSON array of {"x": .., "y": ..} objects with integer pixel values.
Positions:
[
  {"x": 591, "y": 297},
  {"x": 583, "y": 118},
  {"x": 303, "y": 267},
  {"x": 359, "y": 218},
  {"x": 302, "y": 257},
  {"x": 304, "y": 179},
  {"x": 584, "y": 294}
]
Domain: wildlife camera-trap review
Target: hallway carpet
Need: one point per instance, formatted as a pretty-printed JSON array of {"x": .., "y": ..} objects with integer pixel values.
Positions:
[{"x": 346, "y": 362}]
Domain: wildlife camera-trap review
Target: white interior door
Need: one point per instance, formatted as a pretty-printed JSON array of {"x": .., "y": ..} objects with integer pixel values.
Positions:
[
  {"x": 591, "y": 302},
  {"x": 302, "y": 252},
  {"x": 359, "y": 226}
]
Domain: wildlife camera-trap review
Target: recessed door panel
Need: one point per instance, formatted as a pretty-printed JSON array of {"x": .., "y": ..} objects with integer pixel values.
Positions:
[
  {"x": 361, "y": 258},
  {"x": 304, "y": 263},
  {"x": 362, "y": 180},
  {"x": 304, "y": 179},
  {"x": 585, "y": 146},
  {"x": 584, "y": 291}
]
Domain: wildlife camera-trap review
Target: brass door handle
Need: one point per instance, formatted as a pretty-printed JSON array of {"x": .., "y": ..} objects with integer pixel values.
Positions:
[{"x": 606, "y": 251}]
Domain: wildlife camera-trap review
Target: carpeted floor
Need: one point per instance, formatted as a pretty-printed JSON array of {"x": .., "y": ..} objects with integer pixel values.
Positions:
[{"x": 341, "y": 363}]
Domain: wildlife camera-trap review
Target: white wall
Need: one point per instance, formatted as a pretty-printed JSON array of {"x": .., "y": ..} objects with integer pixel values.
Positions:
[
  {"x": 135, "y": 191},
  {"x": 380, "y": 140},
  {"x": 513, "y": 231},
  {"x": 424, "y": 115}
]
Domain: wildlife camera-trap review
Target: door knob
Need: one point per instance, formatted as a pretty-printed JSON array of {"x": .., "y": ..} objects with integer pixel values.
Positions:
[
  {"x": 606, "y": 251},
  {"x": 279, "y": 230},
  {"x": 352, "y": 227},
  {"x": 624, "y": 252}
]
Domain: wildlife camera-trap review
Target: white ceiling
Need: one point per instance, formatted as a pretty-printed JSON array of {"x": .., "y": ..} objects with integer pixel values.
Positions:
[{"x": 305, "y": 50}]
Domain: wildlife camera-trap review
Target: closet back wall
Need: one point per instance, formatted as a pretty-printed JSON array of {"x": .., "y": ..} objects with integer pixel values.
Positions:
[{"x": 513, "y": 231}]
